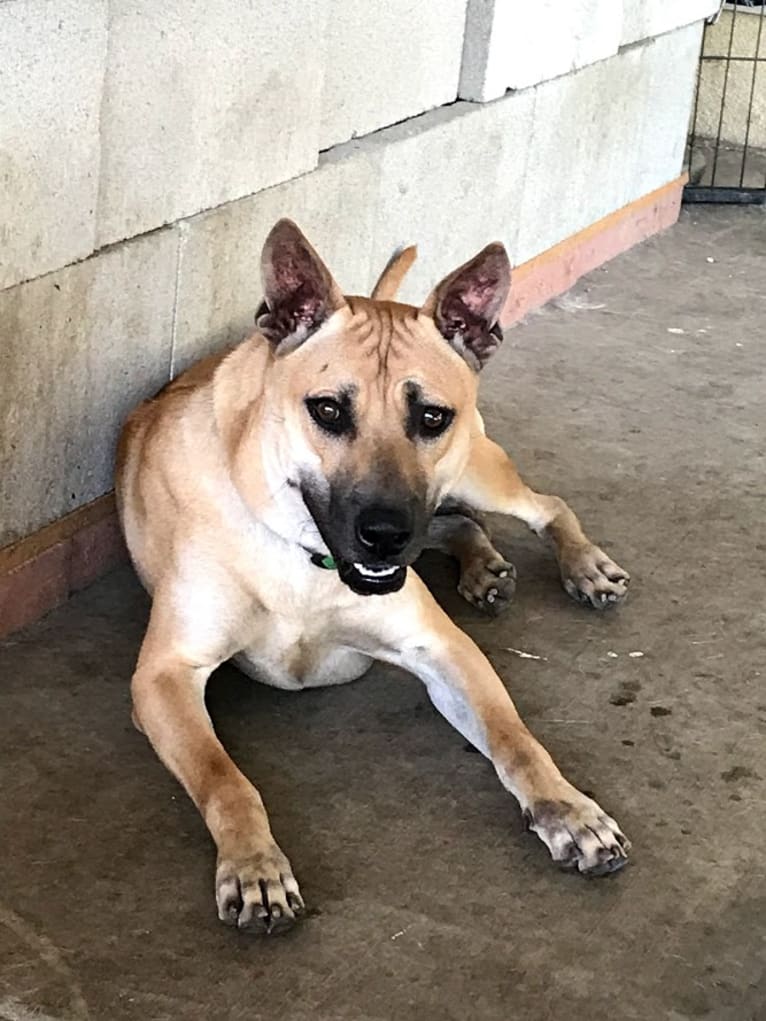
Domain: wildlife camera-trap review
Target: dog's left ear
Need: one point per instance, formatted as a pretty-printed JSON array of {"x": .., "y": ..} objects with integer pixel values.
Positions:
[
  {"x": 300, "y": 293},
  {"x": 466, "y": 305}
]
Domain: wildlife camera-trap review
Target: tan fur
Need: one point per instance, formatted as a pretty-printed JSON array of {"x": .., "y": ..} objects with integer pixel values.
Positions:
[
  {"x": 391, "y": 278},
  {"x": 206, "y": 483}
]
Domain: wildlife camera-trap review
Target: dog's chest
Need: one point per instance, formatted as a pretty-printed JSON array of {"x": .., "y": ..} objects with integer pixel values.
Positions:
[
  {"x": 283, "y": 614},
  {"x": 296, "y": 637},
  {"x": 285, "y": 654}
]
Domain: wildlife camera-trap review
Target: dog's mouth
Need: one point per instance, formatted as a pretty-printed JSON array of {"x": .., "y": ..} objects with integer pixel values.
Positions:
[{"x": 371, "y": 579}]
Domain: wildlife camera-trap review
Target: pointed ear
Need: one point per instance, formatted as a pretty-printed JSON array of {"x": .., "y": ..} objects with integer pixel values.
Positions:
[
  {"x": 466, "y": 305},
  {"x": 300, "y": 294}
]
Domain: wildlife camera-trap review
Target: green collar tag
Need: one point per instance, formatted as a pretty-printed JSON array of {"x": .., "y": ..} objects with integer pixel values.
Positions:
[{"x": 327, "y": 562}]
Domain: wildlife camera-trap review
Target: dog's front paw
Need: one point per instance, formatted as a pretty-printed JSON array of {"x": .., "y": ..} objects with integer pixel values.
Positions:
[
  {"x": 590, "y": 576},
  {"x": 256, "y": 890},
  {"x": 488, "y": 584},
  {"x": 578, "y": 833}
]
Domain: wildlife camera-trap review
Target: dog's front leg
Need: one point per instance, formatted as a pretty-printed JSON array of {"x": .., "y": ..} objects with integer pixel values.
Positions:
[
  {"x": 254, "y": 884},
  {"x": 416, "y": 634},
  {"x": 491, "y": 483}
]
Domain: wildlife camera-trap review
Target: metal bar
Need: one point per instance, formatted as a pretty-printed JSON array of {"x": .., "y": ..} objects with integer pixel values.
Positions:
[
  {"x": 728, "y": 196},
  {"x": 752, "y": 96},
  {"x": 723, "y": 97},
  {"x": 717, "y": 193},
  {"x": 735, "y": 59}
]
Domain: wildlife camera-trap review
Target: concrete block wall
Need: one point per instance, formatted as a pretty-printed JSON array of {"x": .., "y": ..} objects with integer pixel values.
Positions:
[
  {"x": 653, "y": 17},
  {"x": 79, "y": 348},
  {"x": 616, "y": 151},
  {"x": 512, "y": 44},
  {"x": 204, "y": 101},
  {"x": 385, "y": 62},
  {"x": 52, "y": 64},
  {"x": 146, "y": 148}
]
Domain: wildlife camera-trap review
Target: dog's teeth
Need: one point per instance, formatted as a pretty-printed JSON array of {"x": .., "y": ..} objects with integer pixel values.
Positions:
[{"x": 374, "y": 572}]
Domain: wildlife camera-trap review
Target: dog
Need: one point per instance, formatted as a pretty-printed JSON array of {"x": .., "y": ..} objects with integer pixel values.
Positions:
[{"x": 273, "y": 498}]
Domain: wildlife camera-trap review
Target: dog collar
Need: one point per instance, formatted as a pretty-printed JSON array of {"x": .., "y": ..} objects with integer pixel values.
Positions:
[{"x": 326, "y": 562}]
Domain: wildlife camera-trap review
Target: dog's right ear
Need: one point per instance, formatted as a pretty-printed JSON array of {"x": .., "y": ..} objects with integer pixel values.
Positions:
[{"x": 300, "y": 293}]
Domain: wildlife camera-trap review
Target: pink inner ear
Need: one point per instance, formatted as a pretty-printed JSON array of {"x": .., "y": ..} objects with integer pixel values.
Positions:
[
  {"x": 480, "y": 294},
  {"x": 307, "y": 309},
  {"x": 291, "y": 273}
]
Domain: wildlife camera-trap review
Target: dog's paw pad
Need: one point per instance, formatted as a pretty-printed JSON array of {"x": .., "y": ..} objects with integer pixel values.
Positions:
[
  {"x": 589, "y": 576},
  {"x": 257, "y": 892},
  {"x": 489, "y": 586},
  {"x": 579, "y": 834}
]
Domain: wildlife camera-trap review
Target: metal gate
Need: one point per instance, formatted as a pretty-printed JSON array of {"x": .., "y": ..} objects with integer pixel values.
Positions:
[{"x": 726, "y": 149}]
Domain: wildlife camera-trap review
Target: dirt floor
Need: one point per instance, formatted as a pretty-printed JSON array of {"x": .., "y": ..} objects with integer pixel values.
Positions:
[{"x": 639, "y": 397}]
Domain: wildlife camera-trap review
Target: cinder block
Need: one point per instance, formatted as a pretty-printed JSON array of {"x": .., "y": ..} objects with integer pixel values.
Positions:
[
  {"x": 644, "y": 18},
  {"x": 205, "y": 101},
  {"x": 451, "y": 182},
  {"x": 668, "y": 80},
  {"x": 219, "y": 281},
  {"x": 51, "y": 73},
  {"x": 512, "y": 44},
  {"x": 78, "y": 349},
  {"x": 604, "y": 136},
  {"x": 385, "y": 62}
]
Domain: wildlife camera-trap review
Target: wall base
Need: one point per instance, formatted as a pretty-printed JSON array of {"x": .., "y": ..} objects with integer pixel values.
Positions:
[
  {"x": 41, "y": 571},
  {"x": 553, "y": 272}
]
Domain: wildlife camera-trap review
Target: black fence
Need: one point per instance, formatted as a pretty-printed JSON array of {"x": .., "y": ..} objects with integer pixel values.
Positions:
[{"x": 726, "y": 150}]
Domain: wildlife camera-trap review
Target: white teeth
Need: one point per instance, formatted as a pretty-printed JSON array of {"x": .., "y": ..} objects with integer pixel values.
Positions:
[{"x": 375, "y": 572}]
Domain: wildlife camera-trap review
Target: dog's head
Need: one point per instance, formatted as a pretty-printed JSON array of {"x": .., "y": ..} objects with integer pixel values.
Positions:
[{"x": 375, "y": 400}]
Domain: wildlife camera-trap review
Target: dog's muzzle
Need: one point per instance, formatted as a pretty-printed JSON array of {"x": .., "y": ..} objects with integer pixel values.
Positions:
[{"x": 370, "y": 542}]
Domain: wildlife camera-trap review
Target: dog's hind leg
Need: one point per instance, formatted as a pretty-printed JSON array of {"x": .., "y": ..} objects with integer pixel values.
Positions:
[{"x": 487, "y": 579}]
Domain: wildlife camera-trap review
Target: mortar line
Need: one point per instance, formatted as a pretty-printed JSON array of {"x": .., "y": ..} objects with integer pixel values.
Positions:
[{"x": 174, "y": 324}]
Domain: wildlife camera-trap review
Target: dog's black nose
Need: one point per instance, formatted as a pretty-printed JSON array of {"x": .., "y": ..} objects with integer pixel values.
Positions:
[{"x": 384, "y": 531}]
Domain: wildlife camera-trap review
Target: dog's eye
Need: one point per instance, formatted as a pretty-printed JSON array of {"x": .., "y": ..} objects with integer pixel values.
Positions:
[
  {"x": 434, "y": 420},
  {"x": 327, "y": 411},
  {"x": 329, "y": 414}
]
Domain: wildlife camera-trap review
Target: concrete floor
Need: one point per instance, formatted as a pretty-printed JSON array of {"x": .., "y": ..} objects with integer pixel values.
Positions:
[
  {"x": 730, "y": 163},
  {"x": 640, "y": 398}
]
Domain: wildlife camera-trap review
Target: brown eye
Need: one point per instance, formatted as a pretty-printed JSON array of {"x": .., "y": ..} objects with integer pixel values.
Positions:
[
  {"x": 331, "y": 415},
  {"x": 434, "y": 419},
  {"x": 328, "y": 411}
]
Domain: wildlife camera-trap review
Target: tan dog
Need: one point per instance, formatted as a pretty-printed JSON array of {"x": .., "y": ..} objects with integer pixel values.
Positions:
[{"x": 272, "y": 499}]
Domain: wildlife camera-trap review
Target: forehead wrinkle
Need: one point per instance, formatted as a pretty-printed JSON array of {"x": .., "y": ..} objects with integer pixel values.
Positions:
[
  {"x": 373, "y": 337},
  {"x": 387, "y": 336},
  {"x": 401, "y": 339}
]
